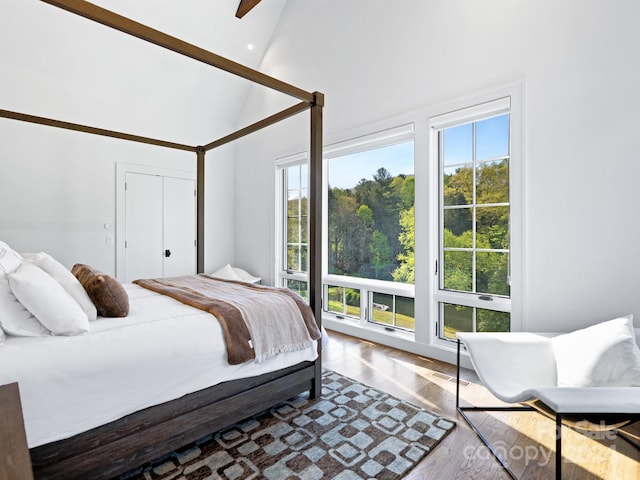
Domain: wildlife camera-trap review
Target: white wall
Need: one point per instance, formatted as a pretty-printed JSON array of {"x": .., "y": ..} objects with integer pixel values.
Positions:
[
  {"x": 57, "y": 188},
  {"x": 578, "y": 61}
]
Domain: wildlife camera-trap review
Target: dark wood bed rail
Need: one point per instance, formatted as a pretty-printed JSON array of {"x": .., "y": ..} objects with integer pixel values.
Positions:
[{"x": 110, "y": 450}]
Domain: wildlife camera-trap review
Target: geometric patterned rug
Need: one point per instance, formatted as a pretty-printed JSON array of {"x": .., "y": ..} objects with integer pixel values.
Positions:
[{"x": 352, "y": 432}]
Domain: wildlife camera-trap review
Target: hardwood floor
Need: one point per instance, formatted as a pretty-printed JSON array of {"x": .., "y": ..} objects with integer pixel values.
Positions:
[{"x": 528, "y": 438}]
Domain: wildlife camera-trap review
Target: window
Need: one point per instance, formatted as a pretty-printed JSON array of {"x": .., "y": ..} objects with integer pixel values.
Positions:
[
  {"x": 393, "y": 311},
  {"x": 293, "y": 203},
  {"x": 369, "y": 257},
  {"x": 342, "y": 301},
  {"x": 408, "y": 267},
  {"x": 474, "y": 211}
]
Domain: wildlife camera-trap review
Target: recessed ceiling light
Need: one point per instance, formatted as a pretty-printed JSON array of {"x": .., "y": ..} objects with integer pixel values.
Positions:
[{"x": 250, "y": 46}]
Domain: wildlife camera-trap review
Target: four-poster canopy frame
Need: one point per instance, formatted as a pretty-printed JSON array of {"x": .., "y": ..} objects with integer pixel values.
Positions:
[{"x": 288, "y": 382}]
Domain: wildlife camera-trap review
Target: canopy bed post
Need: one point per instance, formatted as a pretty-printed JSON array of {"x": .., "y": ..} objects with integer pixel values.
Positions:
[
  {"x": 315, "y": 225},
  {"x": 200, "y": 208}
]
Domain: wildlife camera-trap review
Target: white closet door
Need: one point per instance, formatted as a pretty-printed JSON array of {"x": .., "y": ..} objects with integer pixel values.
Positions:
[
  {"x": 179, "y": 227},
  {"x": 143, "y": 226}
]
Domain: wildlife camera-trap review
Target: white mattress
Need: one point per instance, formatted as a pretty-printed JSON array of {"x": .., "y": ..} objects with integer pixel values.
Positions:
[{"x": 161, "y": 351}]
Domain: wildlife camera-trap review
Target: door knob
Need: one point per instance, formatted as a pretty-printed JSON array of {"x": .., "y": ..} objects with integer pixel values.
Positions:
[{"x": 167, "y": 253}]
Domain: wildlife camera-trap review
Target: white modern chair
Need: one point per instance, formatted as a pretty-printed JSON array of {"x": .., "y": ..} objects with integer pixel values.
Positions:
[{"x": 588, "y": 379}]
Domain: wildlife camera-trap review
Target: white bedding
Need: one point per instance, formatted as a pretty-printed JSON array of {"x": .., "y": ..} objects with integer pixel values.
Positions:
[{"x": 160, "y": 352}]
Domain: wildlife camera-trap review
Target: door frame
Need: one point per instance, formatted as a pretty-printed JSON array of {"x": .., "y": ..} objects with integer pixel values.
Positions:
[{"x": 122, "y": 169}]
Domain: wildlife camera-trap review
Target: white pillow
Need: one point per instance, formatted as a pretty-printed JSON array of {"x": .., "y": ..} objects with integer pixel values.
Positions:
[
  {"x": 245, "y": 276},
  {"x": 226, "y": 273},
  {"x": 604, "y": 355},
  {"x": 48, "y": 301},
  {"x": 14, "y": 318},
  {"x": 2, "y": 337},
  {"x": 65, "y": 278},
  {"x": 9, "y": 259}
]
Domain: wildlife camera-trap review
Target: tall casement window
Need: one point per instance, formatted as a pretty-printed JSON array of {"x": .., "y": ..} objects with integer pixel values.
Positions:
[
  {"x": 293, "y": 204},
  {"x": 473, "y": 287},
  {"x": 369, "y": 225}
]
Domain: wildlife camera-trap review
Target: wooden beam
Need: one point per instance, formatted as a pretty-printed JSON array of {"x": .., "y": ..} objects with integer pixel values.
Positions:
[
  {"x": 245, "y": 6},
  {"x": 275, "y": 118},
  {"x": 126, "y": 25},
  {"x": 93, "y": 130}
]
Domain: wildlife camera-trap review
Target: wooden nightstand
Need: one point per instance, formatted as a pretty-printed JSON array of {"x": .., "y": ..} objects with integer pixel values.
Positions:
[{"x": 15, "y": 461}]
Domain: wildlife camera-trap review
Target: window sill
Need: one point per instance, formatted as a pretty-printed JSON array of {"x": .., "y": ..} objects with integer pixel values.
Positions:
[{"x": 399, "y": 339}]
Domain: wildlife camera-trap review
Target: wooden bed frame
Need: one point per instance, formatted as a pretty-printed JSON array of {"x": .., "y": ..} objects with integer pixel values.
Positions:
[
  {"x": 107, "y": 451},
  {"x": 120, "y": 446}
]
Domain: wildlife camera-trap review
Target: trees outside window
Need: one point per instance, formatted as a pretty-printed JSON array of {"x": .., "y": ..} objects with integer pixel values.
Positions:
[
  {"x": 369, "y": 229},
  {"x": 370, "y": 208},
  {"x": 473, "y": 288}
]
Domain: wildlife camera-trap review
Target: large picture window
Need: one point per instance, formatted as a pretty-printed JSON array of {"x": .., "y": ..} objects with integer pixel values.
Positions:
[{"x": 370, "y": 230}]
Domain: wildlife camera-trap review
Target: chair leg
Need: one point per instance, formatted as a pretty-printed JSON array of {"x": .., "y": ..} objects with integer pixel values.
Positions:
[
  {"x": 483, "y": 439},
  {"x": 558, "y": 446},
  {"x": 486, "y": 442},
  {"x": 627, "y": 438}
]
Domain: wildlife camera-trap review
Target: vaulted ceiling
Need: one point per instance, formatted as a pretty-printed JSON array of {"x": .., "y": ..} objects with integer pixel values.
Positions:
[{"x": 58, "y": 65}]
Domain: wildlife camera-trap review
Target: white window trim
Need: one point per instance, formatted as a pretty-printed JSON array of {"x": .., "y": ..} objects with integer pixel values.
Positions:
[
  {"x": 280, "y": 164},
  {"x": 509, "y": 99},
  {"x": 382, "y": 138},
  {"x": 423, "y": 341},
  {"x": 368, "y": 285}
]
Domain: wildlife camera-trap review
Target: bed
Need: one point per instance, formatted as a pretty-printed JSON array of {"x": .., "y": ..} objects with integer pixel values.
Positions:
[
  {"x": 103, "y": 394},
  {"x": 111, "y": 444}
]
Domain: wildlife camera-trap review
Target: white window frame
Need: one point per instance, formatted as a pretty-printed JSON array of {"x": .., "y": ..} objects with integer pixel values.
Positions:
[
  {"x": 281, "y": 273},
  {"x": 424, "y": 340},
  {"x": 383, "y": 138},
  {"x": 510, "y": 101}
]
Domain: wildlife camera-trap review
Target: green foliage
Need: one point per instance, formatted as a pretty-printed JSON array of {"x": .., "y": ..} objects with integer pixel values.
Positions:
[
  {"x": 352, "y": 297},
  {"x": 349, "y": 233},
  {"x": 365, "y": 215},
  {"x": 381, "y": 254},
  {"x": 405, "y": 273},
  {"x": 365, "y": 227},
  {"x": 492, "y": 321},
  {"x": 490, "y": 210}
]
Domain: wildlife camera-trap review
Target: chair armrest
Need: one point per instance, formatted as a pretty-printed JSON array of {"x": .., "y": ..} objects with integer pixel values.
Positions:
[{"x": 512, "y": 365}]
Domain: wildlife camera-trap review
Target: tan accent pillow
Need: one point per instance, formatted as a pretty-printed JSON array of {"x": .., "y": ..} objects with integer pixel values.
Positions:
[{"x": 106, "y": 293}]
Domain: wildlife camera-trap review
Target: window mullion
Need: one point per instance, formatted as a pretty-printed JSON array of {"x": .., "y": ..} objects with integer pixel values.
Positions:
[{"x": 474, "y": 212}]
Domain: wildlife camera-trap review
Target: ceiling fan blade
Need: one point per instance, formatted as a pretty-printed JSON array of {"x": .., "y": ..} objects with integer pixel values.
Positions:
[{"x": 245, "y": 6}]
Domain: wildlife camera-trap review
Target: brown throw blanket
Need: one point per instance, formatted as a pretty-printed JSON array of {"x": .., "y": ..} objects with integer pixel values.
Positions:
[{"x": 257, "y": 321}]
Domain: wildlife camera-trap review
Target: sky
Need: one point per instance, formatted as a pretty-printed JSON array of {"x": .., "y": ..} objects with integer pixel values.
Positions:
[
  {"x": 348, "y": 170},
  {"x": 492, "y": 140}
]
